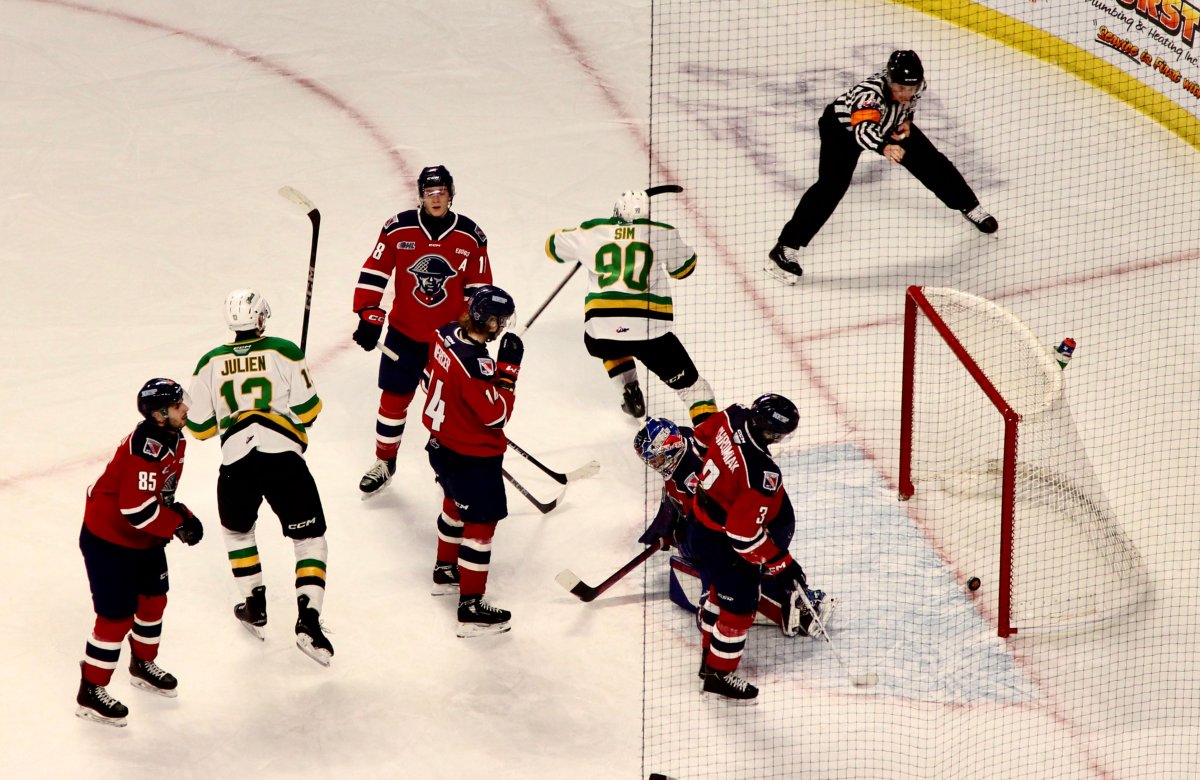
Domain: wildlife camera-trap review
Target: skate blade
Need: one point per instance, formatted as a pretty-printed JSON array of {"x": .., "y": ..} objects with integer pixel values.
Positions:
[
  {"x": 711, "y": 696},
  {"x": 142, "y": 685},
  {"x": 320, "y": 655},
  {"x": 444, "y": 590},
  {"x": 467, "y": 630},
  {"x": 95, "y": 717},
  {"x": 779, "y": 274},
  {"x": 258, "y": 632},
  {"x": 375, "y": 492}
]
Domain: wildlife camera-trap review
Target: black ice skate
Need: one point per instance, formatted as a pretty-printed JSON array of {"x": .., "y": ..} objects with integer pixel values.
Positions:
[
  {"x": 151, "y": 677},
  {"x": 785, "y": 264},
  {"x": 476, "y": 617},
  {"x": 730, "y": 687},
  {"x": 377, "y": 477},
  {"x": 981, "y": 219},
  {"x": 309, "y": 636},
  {"x": 97, "y": 705},
  {"x": 445, "y": 579},
  {"x": 253, "y": 612},
  {"x": 634, "y": 404}
]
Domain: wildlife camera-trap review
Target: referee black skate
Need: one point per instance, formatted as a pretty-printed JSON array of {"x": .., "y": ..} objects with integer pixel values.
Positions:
[{"x": 875, "y": 115}]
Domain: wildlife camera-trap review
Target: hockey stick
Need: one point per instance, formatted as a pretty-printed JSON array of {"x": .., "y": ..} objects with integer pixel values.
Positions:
[
  {"x": 586, "y": 470},
  {"x": 314, "y": 216},
  {"x": 543, "y": 507},
  {"x": 650, "y": 193},
  {"x": 586, "y": 592},
  {"x": 861, "y": 679}
]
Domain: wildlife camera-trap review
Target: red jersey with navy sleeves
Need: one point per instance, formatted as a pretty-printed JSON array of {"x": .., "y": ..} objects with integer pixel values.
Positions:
[
  {"x": 741, "y": 489},
  {"x": 128, "y": 504},
  {"x": 435, "y": 264},
  {"x": 464, "y": 409}
]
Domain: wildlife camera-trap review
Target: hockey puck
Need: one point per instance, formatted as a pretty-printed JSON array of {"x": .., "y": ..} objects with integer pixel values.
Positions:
[
  {"x": 864, "y": 679},
  {"x": 974, "y": 583}
]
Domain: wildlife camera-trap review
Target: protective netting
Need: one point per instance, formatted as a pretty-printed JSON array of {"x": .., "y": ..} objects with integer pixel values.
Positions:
[{"x": 1097, "y": 241}]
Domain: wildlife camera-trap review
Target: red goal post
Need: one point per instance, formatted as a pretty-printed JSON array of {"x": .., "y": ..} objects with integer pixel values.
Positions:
[{"x": 985, "y": 424}]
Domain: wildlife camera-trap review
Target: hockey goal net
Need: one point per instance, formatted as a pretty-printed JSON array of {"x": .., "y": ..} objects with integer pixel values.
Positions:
[{"x": 987, "y": 433}]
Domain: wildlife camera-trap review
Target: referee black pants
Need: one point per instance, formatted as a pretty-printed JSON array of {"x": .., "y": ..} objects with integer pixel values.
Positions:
[{"x": 839, "y": 158}]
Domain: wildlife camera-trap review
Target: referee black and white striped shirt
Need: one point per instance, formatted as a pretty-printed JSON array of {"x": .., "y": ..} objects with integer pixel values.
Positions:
[{"x": 869, "y": 113}]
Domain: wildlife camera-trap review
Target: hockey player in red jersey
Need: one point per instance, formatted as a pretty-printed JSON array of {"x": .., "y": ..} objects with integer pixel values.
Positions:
[
  {"x": 469, "y": 399},
  {"x": 130, "y": 515},
  {"x": 740, "y": 500},
  {"x": 436, "y": 260}
]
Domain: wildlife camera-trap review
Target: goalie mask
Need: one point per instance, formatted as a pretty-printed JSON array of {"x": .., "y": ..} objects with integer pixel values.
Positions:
[
  {"x": 634, "y": 204},
  {"x": 246, "y": 310},
  {"x": 660, "y": 444}
]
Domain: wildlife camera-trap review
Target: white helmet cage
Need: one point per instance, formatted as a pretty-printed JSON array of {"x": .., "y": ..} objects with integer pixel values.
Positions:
[
  {"x": 633, "y": 204},
  {"x": 246, "y": 310}
]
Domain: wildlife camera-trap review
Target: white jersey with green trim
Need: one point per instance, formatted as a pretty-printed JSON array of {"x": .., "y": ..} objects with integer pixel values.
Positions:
[
  {"x": 628, "y": 265},
  {"x": 257, "y": 394}
]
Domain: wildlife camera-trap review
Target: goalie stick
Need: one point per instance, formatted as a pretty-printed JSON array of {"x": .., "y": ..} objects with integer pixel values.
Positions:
[
  {"x": 545, "y": 507},
  {"x": 658, "y": 189},
  {"x": 314, "y": 216},
  {"x": 586, "y": 470},
  {"x": 585, "y": 592}
]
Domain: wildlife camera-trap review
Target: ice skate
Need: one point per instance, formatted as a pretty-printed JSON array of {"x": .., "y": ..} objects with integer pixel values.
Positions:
[
  {"x": 634, "y": 404},
  {"x": 309, "y": 635},
  {"x": 445, "y": 579},
  {"x": 784, "y": 264},
  {"x": 476, "y": 617},
  {"x": 981, "y": 219},
  {"x": 253, "y": 612},
  {"x": 729, "y": 687},
  {"x": 377, "y": 477},
  {"x": 97, "y": 705},
  {"x": 149, "y": 676}
]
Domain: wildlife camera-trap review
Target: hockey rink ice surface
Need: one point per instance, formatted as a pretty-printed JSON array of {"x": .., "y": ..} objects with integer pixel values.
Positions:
[{"x": 143, "y": 144}]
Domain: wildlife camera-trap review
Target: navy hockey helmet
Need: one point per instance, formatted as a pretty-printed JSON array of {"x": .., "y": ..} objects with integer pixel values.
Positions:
[
  {"x": 490, "y": 301},
  {"x": 904, "y": 67},
  {"x": 435, "y": 176},
  {"x": 772, "y": 417},
  {"x": 660, "y": 444},
  {"x": 157, "y": 394}
]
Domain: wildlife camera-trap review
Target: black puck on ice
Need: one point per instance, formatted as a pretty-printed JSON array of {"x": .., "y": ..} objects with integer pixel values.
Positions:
[{"x": 974, "y": 583}]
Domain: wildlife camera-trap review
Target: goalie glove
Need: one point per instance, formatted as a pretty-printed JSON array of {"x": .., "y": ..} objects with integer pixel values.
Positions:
[
  {"x": 370, "y": 327},
  {"x": 508, "y": 361},
  {"x": 189, "y": 531}
]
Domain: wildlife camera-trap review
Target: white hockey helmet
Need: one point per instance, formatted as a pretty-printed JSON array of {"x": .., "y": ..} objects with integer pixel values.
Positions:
[
  {"x": 246, "y": 310},
  {"x": 633, "y": 204}
]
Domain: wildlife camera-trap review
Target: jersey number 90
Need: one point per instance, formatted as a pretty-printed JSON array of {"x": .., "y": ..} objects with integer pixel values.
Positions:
[{"x": 631, "y": 264}]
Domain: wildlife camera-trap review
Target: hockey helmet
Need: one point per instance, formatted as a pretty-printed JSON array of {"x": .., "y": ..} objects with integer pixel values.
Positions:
[
  {"x": 435, "y": 176},
  {"x": 157, "y": 394},
  {"x": 633, "y": 204},
  {"x": 660, "y": 444},
  {"x": 246, "y": 310},
  {"x": 904, "y": 67},
  {"x": 490, "y": 301},
  {"x": 772, "y": 417}
]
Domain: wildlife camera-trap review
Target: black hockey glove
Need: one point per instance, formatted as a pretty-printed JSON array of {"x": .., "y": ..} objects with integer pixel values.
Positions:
[
  {"x": 508, "y": 361},
  {"x": 190, "y": 531},
  {"x": 370, "y": 327},
  {"x": 662, "y": 526},
  {"x": 789, "y": 575}
]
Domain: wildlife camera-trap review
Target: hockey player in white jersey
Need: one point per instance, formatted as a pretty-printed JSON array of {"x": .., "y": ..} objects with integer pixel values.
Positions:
[
  {"x": 628, "y": 310},
  {"x": 257, "y": 393}
]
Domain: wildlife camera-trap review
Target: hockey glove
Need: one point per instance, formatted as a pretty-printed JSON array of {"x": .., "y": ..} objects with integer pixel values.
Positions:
[
  {"x": 508, "y": 361},
  {"x": 787, "y": 573},
  {"x": 370, "y": 327},
  {"x": 661, "y": 527},
  {"x": 190, "y": 531}
]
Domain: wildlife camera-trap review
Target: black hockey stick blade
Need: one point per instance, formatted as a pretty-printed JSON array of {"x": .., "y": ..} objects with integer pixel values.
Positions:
[
  {"x": 589, "y": 469},
  {"x": 585, "y": 592},
  {"x": 545, "y": 507},
  {"x": 660, "y": 189}
]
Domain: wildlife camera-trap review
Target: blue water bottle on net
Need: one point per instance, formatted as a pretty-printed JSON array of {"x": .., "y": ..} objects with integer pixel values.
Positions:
[{"x": 1064, "y": 352}]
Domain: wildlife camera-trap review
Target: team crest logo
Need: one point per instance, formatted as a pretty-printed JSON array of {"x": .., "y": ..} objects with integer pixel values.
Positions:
[
  {"x": 692, "y": 482},
  {"x": 487, "y": 366},
  {"x": 431, "y": 273},
  {"x": 480, "y": 235},
  {"x": 770, "y": 481},
  {"x": 152, "y": 448}
]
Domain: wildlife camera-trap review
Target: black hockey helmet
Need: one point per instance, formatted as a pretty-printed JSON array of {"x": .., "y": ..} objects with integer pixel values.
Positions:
[
  {"x": 435, "y": 176},
  {"x": 157, "y": 394},
  {"x": 490, "y": 301},
  {"x": 772, "y": 417},
  {"x": 904, "y": 67}
]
